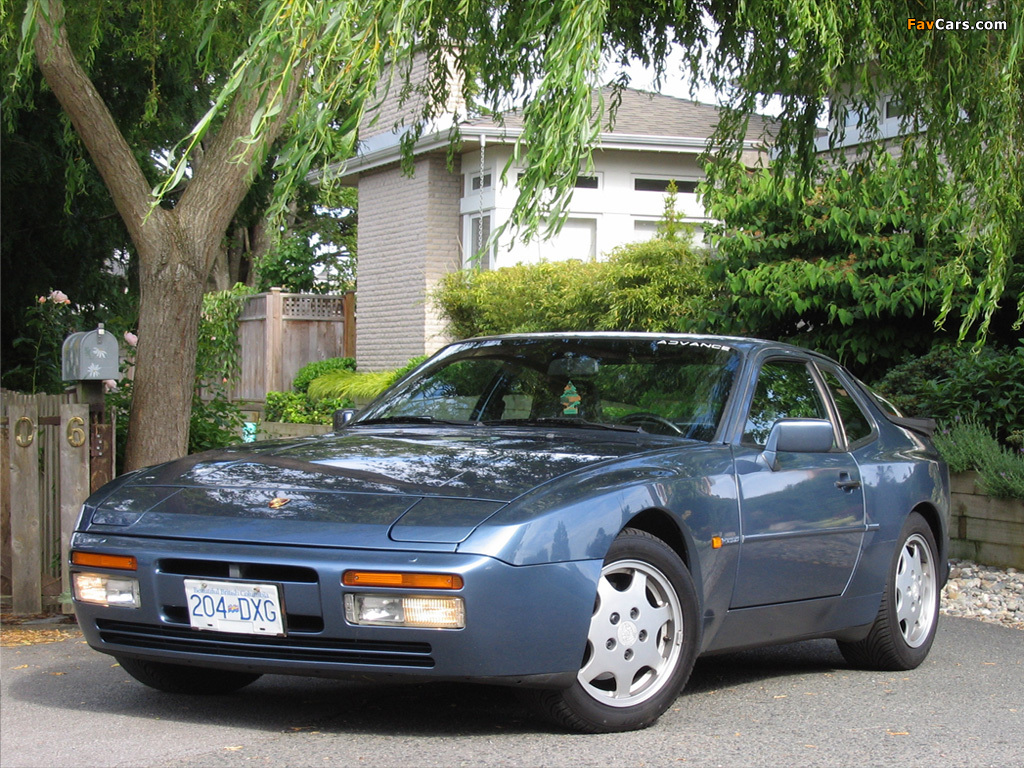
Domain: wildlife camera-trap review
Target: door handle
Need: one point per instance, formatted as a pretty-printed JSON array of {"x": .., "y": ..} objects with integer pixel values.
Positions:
[{"x": 846, "y": 483}]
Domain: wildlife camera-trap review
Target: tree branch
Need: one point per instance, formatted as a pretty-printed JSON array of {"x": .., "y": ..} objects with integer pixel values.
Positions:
[
  {"x": 92, "y": 120},
  {"x": 222, "y": 180}
]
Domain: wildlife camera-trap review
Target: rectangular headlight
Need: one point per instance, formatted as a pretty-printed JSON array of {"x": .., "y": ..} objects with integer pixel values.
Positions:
[
  {"x": 103, "y": 589},
  {"x": 432, "y": 611}
]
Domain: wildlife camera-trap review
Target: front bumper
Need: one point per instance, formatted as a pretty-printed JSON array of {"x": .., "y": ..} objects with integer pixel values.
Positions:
[{"x": 524, "y": 625}]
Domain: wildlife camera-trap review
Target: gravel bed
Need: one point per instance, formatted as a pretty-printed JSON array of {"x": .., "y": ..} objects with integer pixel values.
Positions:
[{"x": 983, "y": 592}]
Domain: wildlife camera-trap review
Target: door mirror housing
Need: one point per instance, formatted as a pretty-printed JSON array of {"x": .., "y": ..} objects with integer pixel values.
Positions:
[
  {"x": 343, "y": 416},
  {"x": 798, "y": 436}
]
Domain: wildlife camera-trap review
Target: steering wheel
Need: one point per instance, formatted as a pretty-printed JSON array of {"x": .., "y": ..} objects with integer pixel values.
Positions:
[{"x": 642, "y": 417}]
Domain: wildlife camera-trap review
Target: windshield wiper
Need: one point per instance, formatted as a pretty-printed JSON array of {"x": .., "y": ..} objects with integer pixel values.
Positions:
[
  {"x": 415, "y": 420},
  {"x": 560, "y": 421}
]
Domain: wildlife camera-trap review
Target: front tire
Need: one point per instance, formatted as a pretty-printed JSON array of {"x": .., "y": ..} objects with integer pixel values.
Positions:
[
  {"x": 904, "y": 629},
  {"x": 179, "y": 678},
  {"x": 641, "y": 645}
]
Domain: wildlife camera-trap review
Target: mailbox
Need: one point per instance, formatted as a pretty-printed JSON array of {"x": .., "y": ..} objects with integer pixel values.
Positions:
[{"x": 90, "y": 356}]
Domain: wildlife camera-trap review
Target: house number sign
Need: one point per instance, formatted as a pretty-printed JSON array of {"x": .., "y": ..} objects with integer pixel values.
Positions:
[
  {"x": 76, "y": 432},
  {"x": 24, "y": 432}
]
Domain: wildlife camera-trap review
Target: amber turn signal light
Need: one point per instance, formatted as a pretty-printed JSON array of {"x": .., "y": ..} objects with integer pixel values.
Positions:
[
  {"x": 96, "y": 560},
  {"x": 402, "y": 580}
]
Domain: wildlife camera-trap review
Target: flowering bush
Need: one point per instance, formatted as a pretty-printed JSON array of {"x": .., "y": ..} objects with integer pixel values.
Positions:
[{"x": 46, "y": 323}]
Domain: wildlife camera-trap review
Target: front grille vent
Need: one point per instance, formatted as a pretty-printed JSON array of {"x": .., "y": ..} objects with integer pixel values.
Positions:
[
  {"x": 216, "y": 569},
  {"x": 371, "y": 653},
  {"x": 295, "y": 622}
]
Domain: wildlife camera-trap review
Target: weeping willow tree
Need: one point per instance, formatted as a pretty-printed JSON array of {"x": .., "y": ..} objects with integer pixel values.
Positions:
[{"x": 307, "y": 73}]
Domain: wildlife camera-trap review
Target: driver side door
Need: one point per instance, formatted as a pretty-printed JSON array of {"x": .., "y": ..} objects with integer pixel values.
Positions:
[{"x": 802, "y": 519}]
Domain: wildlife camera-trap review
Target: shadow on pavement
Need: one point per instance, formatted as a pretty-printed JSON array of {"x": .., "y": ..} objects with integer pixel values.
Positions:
[{"x": 84, "y": 680}]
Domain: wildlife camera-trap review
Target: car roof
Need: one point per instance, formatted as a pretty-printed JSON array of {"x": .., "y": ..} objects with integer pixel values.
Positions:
[{"x": 743, "y": 343}]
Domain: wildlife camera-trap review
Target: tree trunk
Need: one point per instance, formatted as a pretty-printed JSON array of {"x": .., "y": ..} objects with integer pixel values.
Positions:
[
  {"x": 177, "y": 248},
  {"x": 171, "y": 280}
]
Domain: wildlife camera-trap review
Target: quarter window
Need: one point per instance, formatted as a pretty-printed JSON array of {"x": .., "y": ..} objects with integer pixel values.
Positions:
[{"x": 854, "y": 421}]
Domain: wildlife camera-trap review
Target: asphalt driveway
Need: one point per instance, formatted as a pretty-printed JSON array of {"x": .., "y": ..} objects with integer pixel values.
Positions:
[{"x": 65, "y": 705}]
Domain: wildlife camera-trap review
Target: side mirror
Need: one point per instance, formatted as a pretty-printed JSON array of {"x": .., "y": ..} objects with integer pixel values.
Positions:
[
  {"x": 343, "y": 416},
  {"x": 798, "y": 436}
]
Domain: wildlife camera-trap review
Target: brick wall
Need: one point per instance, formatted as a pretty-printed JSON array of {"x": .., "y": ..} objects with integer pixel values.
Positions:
[
  {"x": 408, "y": 239},
  {"x": 402, "y": 105}
]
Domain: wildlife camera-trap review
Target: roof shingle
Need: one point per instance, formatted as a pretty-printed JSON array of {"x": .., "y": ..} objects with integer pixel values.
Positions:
[{"x": 651, "y": 114}]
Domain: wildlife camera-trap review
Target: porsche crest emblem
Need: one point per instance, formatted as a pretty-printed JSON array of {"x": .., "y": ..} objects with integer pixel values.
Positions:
[{"x": 278, "y": 502}]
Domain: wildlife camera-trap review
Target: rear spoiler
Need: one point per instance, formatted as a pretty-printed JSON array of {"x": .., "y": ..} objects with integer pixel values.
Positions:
[{"x": 924, "y": 427}]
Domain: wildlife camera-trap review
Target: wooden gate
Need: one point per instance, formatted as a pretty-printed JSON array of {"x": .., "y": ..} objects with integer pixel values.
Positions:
[{"x": 46, "y": 443}]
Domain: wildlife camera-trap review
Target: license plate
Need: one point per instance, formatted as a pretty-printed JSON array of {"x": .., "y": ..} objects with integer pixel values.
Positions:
[{"x": 232, "y": 606}]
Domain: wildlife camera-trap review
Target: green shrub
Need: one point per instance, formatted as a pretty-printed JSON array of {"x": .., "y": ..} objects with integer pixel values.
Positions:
[
  {"x": 1002, "y": 474},
  {"x": 855, "y": 266},
  {"x": 657, "y": 285},
  {"x": 358, "y": 386},
  {"x": 298, "y": 408},
  {"x": 968, "y": 446},
  {"x": 950, "y": 383},
  {"x": 962, "y": 444},
  {"x": 213, "y": 423},
  {"x": 414, "y": 362},
  {"x": 558, "y": 296},
  {"x": 318, "y": 368},
  {"x": 217, "y": 353}
]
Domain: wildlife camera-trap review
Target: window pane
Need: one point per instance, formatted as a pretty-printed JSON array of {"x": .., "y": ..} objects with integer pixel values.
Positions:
[
  {"x": 656, "y": 386},
  {"x": 784, "y": 390},
  {"x": 481, "y": 232},
  {"x": 661, "y": 185},
  {"x": 854, "y": 421}
]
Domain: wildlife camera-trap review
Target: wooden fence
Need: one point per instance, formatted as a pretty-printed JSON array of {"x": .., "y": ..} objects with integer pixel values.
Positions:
[
  {"x": 45, "y": 447},
  {"x": 278, "y": 333}
]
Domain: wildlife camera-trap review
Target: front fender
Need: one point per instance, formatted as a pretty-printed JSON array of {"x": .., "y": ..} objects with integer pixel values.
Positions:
[{"x": 577, "y": 516}]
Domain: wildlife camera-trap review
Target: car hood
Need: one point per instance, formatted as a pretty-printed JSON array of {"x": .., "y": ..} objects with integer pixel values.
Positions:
[{"x": 359, "y": 488}]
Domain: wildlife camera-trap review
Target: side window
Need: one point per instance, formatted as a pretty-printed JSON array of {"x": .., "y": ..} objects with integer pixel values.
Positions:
[
  {"x": 856, "y": 424},
  {"x": 785, "y": 389}
]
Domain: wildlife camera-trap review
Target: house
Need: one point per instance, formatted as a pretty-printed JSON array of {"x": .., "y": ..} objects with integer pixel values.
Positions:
[{"x": 415, "y": 229}]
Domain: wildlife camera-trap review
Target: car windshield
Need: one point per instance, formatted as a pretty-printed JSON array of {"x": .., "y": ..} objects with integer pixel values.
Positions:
[{"x": 667, "y": 385}]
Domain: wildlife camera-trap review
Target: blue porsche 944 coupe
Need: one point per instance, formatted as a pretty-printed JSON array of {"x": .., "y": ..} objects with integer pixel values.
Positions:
[{"x": 577, "y": 515}]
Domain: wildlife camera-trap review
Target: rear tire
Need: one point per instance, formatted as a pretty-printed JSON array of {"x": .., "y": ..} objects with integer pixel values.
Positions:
[
  {"x": 904, "y": 629},
  {"x": 179, "y": 678},
  {"x": 641, "y": 645}
]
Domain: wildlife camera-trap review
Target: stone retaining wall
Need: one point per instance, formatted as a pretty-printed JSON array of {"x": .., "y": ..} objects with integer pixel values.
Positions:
[
  {"x": 985, "y": 529},
  {"x": 270, "y": 430}
]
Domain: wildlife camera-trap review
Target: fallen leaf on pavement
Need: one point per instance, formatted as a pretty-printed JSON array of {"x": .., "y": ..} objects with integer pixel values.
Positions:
[{"x": 16, "y": 631}]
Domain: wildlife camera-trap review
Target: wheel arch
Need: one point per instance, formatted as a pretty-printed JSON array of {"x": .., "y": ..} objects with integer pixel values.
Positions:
[
  {"x": 660, "y": 523},
  {"x": 932, "y": 516}
]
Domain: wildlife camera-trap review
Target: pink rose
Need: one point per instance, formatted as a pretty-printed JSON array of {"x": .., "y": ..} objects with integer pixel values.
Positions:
[
  {"x": 131, "y": 338},
  {"x": 59, "y": 297}
]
